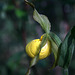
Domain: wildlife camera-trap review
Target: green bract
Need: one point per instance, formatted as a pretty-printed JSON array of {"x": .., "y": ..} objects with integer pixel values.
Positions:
[{"x": 42, "y": 20}]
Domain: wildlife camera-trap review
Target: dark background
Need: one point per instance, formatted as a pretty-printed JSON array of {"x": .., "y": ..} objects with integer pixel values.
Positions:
[{"x": 17, "y": 28}]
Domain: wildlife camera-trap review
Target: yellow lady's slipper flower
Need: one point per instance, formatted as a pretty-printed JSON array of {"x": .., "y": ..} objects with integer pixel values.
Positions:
[{"x": 32, "y": 48}]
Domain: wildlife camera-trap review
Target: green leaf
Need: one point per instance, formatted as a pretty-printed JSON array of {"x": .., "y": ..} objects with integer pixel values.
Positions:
[
  {"x": 42, "y": 20},
  {"x": 66, "y": 49},
  {"x": 55, "y": 38},
  {"x": 55, "y": 42}
]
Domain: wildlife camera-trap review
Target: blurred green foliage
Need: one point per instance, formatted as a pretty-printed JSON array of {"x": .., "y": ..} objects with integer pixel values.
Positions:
[{"x": 17, "y": 28}]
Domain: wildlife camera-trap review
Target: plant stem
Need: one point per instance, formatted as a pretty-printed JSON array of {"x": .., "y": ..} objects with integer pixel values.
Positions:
[
  {"x": 32, "y": 5},
  {"x": 66, "y": 72},
  {"x": 28, "y": 72}
]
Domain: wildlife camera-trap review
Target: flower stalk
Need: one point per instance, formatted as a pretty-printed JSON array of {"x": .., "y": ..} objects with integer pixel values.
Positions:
[{"x": 66, "y": 72}]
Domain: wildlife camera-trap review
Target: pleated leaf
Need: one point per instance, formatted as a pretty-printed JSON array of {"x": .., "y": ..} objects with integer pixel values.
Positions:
[{"x": 66, "y": 49}]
